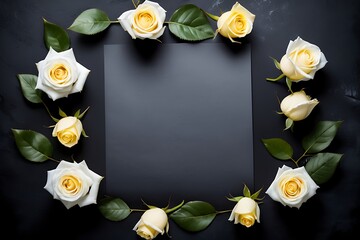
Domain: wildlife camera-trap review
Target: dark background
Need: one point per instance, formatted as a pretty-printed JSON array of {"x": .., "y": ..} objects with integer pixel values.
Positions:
[{"x": 28, "y": 211}]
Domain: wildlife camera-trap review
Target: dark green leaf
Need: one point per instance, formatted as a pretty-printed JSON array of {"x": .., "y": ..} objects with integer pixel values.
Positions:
[
  {"x": 55, "y": 37},
  {"x": 90, "y": 22},
  {"x": 278, "y": 148},
  {"x": 28, "y": 84},
  {"x": 194, "y": 216},
  {"x": 32, "y": 145},
  {"x": 190, "y": 23},
  {"x": 321, "y": 136},
  {"x": 322, "y": 166},
  {"x": 114, "y": 209}
]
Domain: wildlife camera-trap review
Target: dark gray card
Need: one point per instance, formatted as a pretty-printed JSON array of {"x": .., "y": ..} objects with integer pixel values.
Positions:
[{"x": 178, "y": 120}]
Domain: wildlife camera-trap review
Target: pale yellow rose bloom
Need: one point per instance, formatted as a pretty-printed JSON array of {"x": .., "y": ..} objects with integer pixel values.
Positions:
[
  {"x": 246, "y": 212},
  {"x": 151, "y": 223},
  {"x": 298, "y": 106},
  {"x": 302, "y": 60},
  {"x": 73, "y": 184},
  {"x": 60, "y": 74},
  {"x": 236, "y": 23},
  {"x": 68, "y": 131},
  {"x": 146, "y": 21},
  {"x": 292, "y": 187}
]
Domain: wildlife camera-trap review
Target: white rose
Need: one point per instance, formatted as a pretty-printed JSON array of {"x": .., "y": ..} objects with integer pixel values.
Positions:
[
  {"x": 73, "y": 183},
  {"x": 236, "y": 23},
  {"x": 151, "y": 223},
  {"x": 146, "y": 21},
  {"x": 68, "y": 131},
  {"x": 292, "y": 187},
  {"x": 298, "y": 106},
  {"x": 60, "y": 75},
  {"x": 245, "y": 212},
  {"x": 302, "y": 60}
]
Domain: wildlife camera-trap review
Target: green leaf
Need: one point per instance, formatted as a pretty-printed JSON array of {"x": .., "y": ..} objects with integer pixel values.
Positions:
[
  {"x": 234, "y": 199},
  {"x": 28, "y": 84},
  {"x": 322, "y": 166},
  {"x": 114, "y": 209},
  {"x": 81, "y": 115},
  {"x": 55, "y": 37},
  {"x": 246, "y": 191},
  {"x": 90, "y": 22},
  {"x": 194, "y": 216},
  {"x": 289, "y": 84},
  {"x": 321, "y": 136},
  {"x": 276, "y": 63},
  {"x": 288, "y": 123},
  {"x": 278, "y": 148},
  {"x": 190, "y": 23},
  {"x": 62, "y": 113},
  {"x": 32, "y": 145}
]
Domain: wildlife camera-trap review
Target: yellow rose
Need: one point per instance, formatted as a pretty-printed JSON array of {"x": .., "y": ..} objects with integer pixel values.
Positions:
[
  {"x": 245, "y": 212},
  {"x": 292, "y": 187},
  {"x": 298, "y": 106},
  {"x": 151, "y": 223},
  {"x": 73, "y": 184},
  {"x": 236, "y": 23},
  {"x": 68, "y": 131},
  {"x": 302, "y": 60},
  {"x": 146, "y": 21},
  {"x": 60, "y": 74}
]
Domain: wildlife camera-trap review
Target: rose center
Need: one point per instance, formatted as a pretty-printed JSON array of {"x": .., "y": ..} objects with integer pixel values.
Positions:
[
  {"x": 146, "y": 21},
  {"x": 71, "y": 184},
  {"x": 292, "y": 188},
  {"x": 59, "y": 73}
]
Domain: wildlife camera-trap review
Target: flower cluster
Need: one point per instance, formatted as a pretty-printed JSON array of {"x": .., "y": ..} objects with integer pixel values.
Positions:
[
  {"x": 293, "y": 187},
  {"x": 189, "y": 22}
]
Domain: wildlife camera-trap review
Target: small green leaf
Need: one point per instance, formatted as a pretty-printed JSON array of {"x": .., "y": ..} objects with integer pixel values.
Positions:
[
  {"x": 55, "y": 37},
  {"x": 62, "y": 113},
  {"x": 234, "y": 199},
  {"x": 81, "y": 115},
  {"x": 276, "y": 79},
  {"x": 278, "y": 148},
  {"x": 276, "y": 63},
  {"x": 90, "y": 22},
  {"x": 190, "y": 23},
  {"x": 32, "y": 145},
  {"x": 322, "y": 166},
  {"x": 28, "y": 84},
  {"x": 288, "y": 123},
  {"x": 289, "y": 84},
  {"x": 255, "y": 195},
  {"x": 114, "y": 209},
  {"x": 321, "y": 136},
  {"x": 194, "y": 216},
  {"x": 246, "y": 191}
]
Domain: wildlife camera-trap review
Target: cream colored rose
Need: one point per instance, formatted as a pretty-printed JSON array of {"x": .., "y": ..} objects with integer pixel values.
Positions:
[
  {"x": 146, "y": 21},
  {"x": 298, "y": 106},
  {"x": 302, "y": 60},
  {"x": 292, "y": 187},
  {"x": 73, "y": 184},
  {"x": 68, "y": 131},
  {"x": 236, "y": 23},
  {"x": 60, "y": 74},
  {"x": 151, "y": 223},
  {"x": 245, "y": 212}
]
